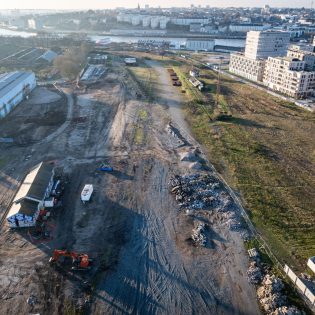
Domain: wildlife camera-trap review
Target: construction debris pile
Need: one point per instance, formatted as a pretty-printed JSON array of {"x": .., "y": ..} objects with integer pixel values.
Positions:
[
  {"x": 270, "y": 291},
  {"x": 198, "y": 234},
  {"x": 254, "y": 273},
  {"x": 285, "y": 310},
  {"x": 196, "y": 192}
]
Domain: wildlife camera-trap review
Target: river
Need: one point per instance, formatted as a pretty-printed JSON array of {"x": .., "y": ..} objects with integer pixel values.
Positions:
[{"x": 239, "y": 43}]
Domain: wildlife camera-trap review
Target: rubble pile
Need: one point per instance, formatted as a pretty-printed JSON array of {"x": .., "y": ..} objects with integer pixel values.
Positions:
[
  {"x": 189, "y": 156},
  {"x": 254, "y": 273},
  {"x": 195, "y": 192},
  {"x": 270, "y": 293},
  {"x": 285, "y": 310},
  {"x": 195, "y": 166},
  {"x": 198, "y": 234}
]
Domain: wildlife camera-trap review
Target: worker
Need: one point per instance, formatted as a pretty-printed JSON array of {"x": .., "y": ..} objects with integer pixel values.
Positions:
[{"x": 134, "y": 168}]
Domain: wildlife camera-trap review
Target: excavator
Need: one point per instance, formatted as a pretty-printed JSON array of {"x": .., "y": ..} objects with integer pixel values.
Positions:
[{"x": 79, "y": 261}]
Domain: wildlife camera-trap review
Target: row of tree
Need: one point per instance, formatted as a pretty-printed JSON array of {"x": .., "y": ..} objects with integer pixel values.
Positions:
[{"x": 72, "y": 61}]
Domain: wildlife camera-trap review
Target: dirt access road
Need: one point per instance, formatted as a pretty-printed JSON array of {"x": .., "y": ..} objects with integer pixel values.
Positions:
[
  {"x": 133, "y": 227},
  {"x": 158, "y": 272}
]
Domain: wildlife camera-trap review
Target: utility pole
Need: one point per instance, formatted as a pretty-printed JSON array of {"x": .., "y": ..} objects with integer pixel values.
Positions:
[{"x": 217, "y": 97}]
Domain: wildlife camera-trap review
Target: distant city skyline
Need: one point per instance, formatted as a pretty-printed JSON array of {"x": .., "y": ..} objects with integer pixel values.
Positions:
[{"x": 103, "y": 4}]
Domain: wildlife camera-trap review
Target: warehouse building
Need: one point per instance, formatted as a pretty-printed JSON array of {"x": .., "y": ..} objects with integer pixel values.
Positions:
[
  {"x": 200, "y": 44},
  {"x": 244, "y": 28},
  {"x": 31, "y": 196},
  {"x": 14, "y": 87}
]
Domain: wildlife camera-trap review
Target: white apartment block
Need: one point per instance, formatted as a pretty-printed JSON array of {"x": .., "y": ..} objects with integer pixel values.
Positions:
[
  {"x": 286, "y": 75},
  {"x": 303, "y": 53},
  {"x": 266, "y": 44},
  {"x": 250, "y": 69}
]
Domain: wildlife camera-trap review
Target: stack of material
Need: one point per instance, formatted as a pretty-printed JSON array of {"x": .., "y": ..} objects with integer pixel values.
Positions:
[
  {"x": 270, "y": 293},
  {"x": 204, "y": 192},
  {"x": 195, "y": 166},
  {"x": 254, "y": 273},
  {"x": 287, "y": 310},
  {"x": 198, "y": 235},
  {"x": 194, "y": 191}
]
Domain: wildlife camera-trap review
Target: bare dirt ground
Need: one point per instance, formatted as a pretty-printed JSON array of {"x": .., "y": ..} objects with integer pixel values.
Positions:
[{"x": 132, "y": 227}]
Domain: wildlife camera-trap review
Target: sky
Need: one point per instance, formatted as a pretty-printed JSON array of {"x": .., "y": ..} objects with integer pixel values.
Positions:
[{"x": 103, "y": 4}]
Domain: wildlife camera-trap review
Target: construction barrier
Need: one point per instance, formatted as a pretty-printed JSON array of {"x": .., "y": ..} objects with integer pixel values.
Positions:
[{"x": 300, "y": 284}]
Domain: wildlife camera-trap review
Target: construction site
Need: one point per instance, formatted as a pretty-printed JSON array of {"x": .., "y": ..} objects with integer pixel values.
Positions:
[{"x": 110, "y": 206}]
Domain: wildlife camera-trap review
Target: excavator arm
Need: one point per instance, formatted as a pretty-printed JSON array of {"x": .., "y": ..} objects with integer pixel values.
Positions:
[{"x": 79, "y": 261}]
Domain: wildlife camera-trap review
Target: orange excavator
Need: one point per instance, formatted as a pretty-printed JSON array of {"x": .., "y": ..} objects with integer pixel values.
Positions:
[{"x": 79, "y": 261}]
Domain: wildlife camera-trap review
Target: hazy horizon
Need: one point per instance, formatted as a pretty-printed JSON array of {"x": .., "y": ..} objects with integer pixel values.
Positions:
[{"x": 97, "y": 4}]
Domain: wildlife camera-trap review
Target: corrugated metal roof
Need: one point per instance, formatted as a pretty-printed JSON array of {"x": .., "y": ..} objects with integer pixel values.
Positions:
[
  {"x": 9, "y": 80},
  {"x": 26, "y": 207},
  {"x": 34, "y": 186},
  {"x": 49, "y": 55}
]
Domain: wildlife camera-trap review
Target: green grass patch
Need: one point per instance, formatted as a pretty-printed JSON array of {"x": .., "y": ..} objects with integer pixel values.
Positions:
[{"x": 265, "y": 150}]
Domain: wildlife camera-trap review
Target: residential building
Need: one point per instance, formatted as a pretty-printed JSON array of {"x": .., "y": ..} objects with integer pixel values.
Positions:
[
  {"x": 266, "y": 44},
  {"x": 304, "y": 53},
  {"x": 14, "y": 87},
  {"x": 287, "y": 75},
  {"x": 251, "y": 69}
]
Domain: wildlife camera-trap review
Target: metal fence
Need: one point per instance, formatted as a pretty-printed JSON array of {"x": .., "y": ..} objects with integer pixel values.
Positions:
[{"x": 300, "y": 285}]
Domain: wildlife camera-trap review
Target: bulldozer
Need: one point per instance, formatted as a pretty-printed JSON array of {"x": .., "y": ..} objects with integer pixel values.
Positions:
[{"x": 79, "y": 261}]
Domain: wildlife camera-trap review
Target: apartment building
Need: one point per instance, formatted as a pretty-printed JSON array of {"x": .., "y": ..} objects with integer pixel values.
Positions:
[
  {"x": 304, "y": 53},
  {"x": 259, "y": 46},
  {"x": 250, "y": 69},
  {"x": 287, "y": 75},
  {"x": 266, "y": 44}
]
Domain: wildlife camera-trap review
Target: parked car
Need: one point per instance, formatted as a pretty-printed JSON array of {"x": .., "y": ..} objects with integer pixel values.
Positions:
[{"x": 105, "y": 168}]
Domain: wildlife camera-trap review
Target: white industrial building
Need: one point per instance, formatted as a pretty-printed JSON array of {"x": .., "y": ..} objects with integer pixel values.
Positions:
[
  {"x": 244, "y": 28},
  {"x": 188, "y": 21},
  {"x": 200, "y": 44},
  {"x": 14, "y": 87}
]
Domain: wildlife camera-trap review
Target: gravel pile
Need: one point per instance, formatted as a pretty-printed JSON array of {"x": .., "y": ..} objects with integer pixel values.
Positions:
[
  {"x": 285, "y": 310},
  {"x": 270, "y": 294},
  {"x": 195, "y": 192},
  {"x": 254, "y": 273},
  {"x": 198, "y": 234}
]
